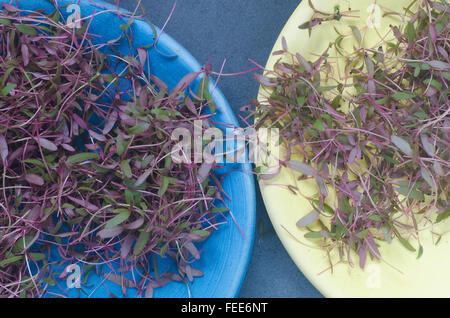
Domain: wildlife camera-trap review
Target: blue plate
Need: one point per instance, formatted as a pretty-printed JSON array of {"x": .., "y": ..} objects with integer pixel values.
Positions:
[{"x": 226, "y": 254}]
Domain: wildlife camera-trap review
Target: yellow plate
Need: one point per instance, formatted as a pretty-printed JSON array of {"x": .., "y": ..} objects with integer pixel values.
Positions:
[{"x": 399, "y": 274}]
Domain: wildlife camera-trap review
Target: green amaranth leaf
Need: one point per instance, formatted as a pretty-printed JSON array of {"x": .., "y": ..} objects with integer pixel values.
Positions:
[
  {"x": 202, "y": 233},
  {"x": 141, "y": 242},
  {"x": 375, "y": 217},
  {"x": 82, "y": 157},
  {"x": 442, "y": 216},
  {"x": 26, "y": 29},
  {"x": 410, "y": 32},
  {"x": 318, "y": 124},
  {"x": 38, "y": 256},
  {"x": 403, "y": 95},
  {"x": 8, "y": 88},
  {"x": 126, "y": 169},
  {"x": 163, "y": 250},
  {"x": 139, "y": 128},
  {"x": 323, "y": 89},
  {"x": 118, "y": 219},
  {"x": 11, "y": 260},
  {"x": 326, "y": 207},
  {"x": 363, "y": 234},
  {"x": 219, "y": 210},
  {"x": 50, "y": 281},
  {"x": 120, "y": 145},
  {"x": 164, "y": 185},
  {"x": 346, "y": 207},
  {"x": 406, "y": 244},
  {"x": 356, "y": 34},
  {"x": 420, "y": 253},
  {"x": 203, "y": 92},
  {"x": 403, "y": 188},
  {"x": 6, "y": 22},
  {"x": 313, "y": 235}
]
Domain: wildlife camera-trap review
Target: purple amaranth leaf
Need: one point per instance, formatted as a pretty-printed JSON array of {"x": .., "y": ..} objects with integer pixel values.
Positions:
[
  {"x": 322, "y": 186},
  {"x": 427, "y": 146},
  {"x": 97, "y": 136},
  {"x": 120, "y": 280},
  {"x": 159, "y": 83},
  {"x": 440, "y": 7},
  {"x": 402, "y": 144},
  {"x": 362, "y": 257},
  {"x": 304, "y": 62},
  {"x": 284, "y": 43},
  {"x": 352, "y": 156},
  {"x": 3, "y": 148},
  {"x": 351, "y": 139},
  {"x": 372, "y": 246},
  {"x": 191, "y": 106},
  {"x": 203, "y": 171},
  {"x": 47, "y": 144},
  {"x": 308, "y": 219},
  {"x": 263, "y": 80},
  {"x": 185, "y": 82},
  {"x": 68, "y": 147},
  {"x": 174, "y": 277},
  {"x": 34, "y": 179},
  {"x": 427, "y": 177},
  {"x": 84, "y": 203},
  {"x": 126, "y": 245},
  {"x": 439, "y": 65},
  {"x": 25, "y": 54},
  {"x": 443, "y": 52},
  {"x": 111, "y": 121},
  {"x": 34, "y": 213},
  {"x": 110, "y": 232},
  {"x": 161, "y": 282},
  {"x": 80, "y": 121},
  {"x": 142, "y": 53},
  {"x": 135, "y": 224},
  {"x": 196, "y": 272},
  {"x": 301, "y": 167},
  {"x": 270, "y": 175},
  {"x": 437, "y": 167},
  {"x": 192, "y": 249},
  {"x": 143, "y": 177}
]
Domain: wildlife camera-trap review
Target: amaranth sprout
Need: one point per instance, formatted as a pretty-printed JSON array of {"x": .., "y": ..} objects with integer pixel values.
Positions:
[
  {"x": 85, "y": 159},
  {"x": 380, "y": 157}
]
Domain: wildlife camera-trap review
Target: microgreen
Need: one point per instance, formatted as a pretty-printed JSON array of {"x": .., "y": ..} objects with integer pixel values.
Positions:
[
  {"x": 85, "y": 160},
  {"x": 385, "y": 157}
]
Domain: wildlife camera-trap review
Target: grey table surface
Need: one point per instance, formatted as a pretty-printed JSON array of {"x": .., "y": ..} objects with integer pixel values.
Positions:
[{"x": 237, "y": 30}]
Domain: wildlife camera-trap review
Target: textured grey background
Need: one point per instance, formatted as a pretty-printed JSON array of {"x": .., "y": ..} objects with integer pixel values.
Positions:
[{"x": 237, "y": 30}]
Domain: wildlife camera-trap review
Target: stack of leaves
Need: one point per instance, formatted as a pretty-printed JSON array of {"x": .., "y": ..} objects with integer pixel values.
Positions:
[
  {"x": 380, "y": 156},
  {"x": 86, "y": 160}
]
